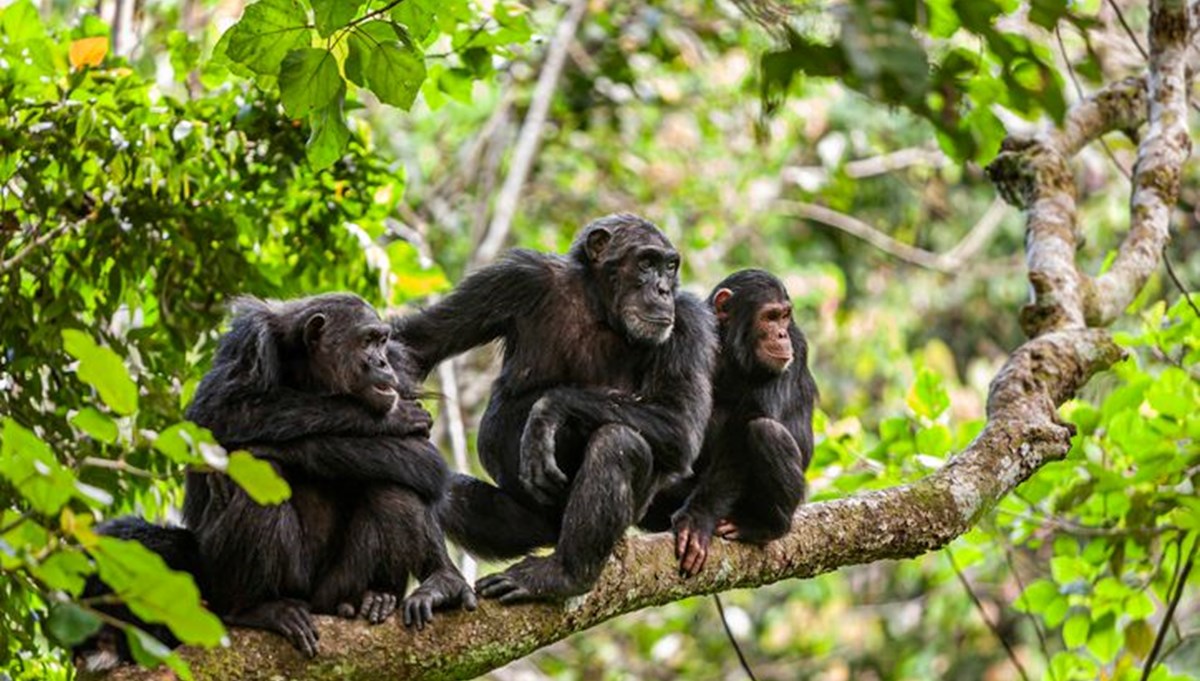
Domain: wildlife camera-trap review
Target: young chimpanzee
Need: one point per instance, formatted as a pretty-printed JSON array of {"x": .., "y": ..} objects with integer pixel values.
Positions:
[
  {"x": 315, "y": 387},
  {"x": 602, "y": 399},
  {"x": 750, "y": 475}
]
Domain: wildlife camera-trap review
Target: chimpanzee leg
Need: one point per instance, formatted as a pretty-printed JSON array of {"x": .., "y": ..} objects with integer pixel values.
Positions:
[
  {"x": 608, "y": 492},
  {"x": 262, "y": 567},
  {"x": 776, "y": 483},
  {"x": 492, "y": 523}
]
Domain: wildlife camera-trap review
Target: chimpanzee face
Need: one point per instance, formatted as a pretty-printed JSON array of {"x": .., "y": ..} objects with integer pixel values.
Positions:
[
  {"x": 772, "y": 342},
  {"x": 640, "y": 270},
  {"x": 348, "y": 349}
]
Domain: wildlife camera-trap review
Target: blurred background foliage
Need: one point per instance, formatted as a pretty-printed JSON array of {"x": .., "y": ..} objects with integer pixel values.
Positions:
[{"x": 156, "y": 162}]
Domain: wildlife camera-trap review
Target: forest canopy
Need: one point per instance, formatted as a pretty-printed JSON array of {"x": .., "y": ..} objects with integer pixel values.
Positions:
[{"x": 983, "y": 211}]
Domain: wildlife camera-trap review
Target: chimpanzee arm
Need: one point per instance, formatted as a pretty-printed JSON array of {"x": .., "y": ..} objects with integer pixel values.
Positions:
[
  {"x": 477, "y": 311},
  {"x": 411, "y": 462},
  {"x": 717, "y": 490},
  {"x": 285, "y": 414}
]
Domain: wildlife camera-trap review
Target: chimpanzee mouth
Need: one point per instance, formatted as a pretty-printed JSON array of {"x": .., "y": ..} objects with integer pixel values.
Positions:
[
  {"x": 384, "y": 389},
  {"x": 657, "y": 320}
]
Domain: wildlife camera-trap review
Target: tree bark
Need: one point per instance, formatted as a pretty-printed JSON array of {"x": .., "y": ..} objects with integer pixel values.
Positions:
[{"x": 1022, "y": 433}]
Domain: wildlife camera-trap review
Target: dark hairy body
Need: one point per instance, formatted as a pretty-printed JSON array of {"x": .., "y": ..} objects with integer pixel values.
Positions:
[
  {"x": 315, "y": 387},
  {"x": 601, "y": 400},
  {"x": 750, "y": 475}
]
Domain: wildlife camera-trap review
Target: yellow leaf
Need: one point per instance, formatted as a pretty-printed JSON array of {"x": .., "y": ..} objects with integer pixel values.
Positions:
[{"x": 87, "y": 51}]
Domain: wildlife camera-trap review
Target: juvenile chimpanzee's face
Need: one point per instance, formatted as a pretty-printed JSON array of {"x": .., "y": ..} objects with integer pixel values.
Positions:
[
  {"x": 773, "y": 344},
  {"x": 348, "y": 349}
]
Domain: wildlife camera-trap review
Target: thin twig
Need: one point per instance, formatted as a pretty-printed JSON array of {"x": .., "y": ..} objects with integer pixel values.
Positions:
[
  {"x": 948, "y": 262},
  {"x": 1012, "y": 654},
  {"x": 1128, "y": 31},
  {"x": 1079, "y": 90},
  {"x": 729, "y": 633},
  {"x": 530, "y": 135},
  {"x": 456, "y": 432},
  {"x": 15, "y": 523},
  {"x": 1180, "y": 582},
  {"x": 1037, "y": 625},
  {"x": 36, "y": 244},
  {"x": 117, "y": 465},
  {"x": 1179, "y": 284}
]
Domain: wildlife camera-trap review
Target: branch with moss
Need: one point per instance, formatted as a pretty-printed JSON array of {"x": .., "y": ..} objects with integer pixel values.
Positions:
[{"x": 1067, "y": 346}]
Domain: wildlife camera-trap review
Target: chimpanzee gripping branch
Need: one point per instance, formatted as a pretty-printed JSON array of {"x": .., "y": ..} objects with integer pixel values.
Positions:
[{"x": 1066, "y": 347}]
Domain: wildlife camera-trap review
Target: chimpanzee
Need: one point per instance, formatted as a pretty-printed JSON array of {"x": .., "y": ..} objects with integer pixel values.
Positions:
[
  {"x": 601, "y": 400},
  {"x": 750, "y": 475},
  {"x": 315, "y": 387}
]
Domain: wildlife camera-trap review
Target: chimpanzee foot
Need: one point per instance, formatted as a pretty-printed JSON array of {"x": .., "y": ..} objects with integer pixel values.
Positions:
[
  {"x": 377, "y": 606},
  {"x": 443, "y": 589},
  {"x": 535, "y": 578},
  {"x": 289, "y": 618}
]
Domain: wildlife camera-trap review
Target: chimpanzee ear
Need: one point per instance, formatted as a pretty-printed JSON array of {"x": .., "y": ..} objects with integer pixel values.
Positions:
[
  {"x": 313, "y": 327},
  {"x": 597, "y": 241},
  {"x": 721, "y": 303}
]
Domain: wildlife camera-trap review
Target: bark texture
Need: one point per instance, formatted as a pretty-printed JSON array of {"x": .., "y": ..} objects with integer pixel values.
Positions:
[{"x": 1067, "y": 345}]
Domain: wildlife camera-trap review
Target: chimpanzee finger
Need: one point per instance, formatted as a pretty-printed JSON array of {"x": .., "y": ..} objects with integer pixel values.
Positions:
[
  {"x": 300, "y": 631},
  {"x": 426, "y": 612},
  {"x": 681, "y": 542},
  {"x": 469, "y": 601},
  {"x": 517, "y": 595},
  {"x": 697, "y": 552},
  {"x": 346, "y": 610}
]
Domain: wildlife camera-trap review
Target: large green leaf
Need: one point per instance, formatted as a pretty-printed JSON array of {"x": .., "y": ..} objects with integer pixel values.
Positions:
[
  {"x": 309, "y": 80},
  {"x": 329, "y": 136},
  {"x": 96, "y": 424},
  {"x": 28, "y": 463},
  {"x": 394, "y": 73},
  {"x": 258, "y": 478},
  {"x": 66, "y": 569},
  {"x": 266, "y": 33},
  {"x": 102, "y": 369},
  {"x": 155, "y": 593},
  {"x": 332, "y": 15},
  {"x": 70, "y": 624}
]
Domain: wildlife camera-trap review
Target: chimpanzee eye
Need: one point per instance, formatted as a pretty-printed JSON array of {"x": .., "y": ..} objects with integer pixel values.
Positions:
[{"x": 645, "y": 265}]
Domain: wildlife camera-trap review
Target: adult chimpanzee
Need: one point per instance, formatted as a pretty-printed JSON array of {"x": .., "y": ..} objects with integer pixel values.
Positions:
[
  {"x": 601, "y": 400},
  {"x": 750, "y": 475},
  {"x": 315, "y": 387}
]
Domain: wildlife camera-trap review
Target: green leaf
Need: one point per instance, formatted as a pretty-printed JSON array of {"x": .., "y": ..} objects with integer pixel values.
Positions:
[
  {"x": 266, "y": 33},
  {"x": 329, "y": 136},
  {"x": 1104, "y": 641},
  {"x": 1037, "y": 596},
  {"x": 20, "y": 21},
  {"x": 28, "y": 463},
  {"x": 334, "y": 14},
  {"x": 149, "y": 652},
  {"x": 363, "y": 41},
  {"x": 934, "y": 440},
  {"x": 258, "y": 478},
  {"x": 1139, "y": 638},
  {"x": 96, "y": 424},
  {"x": 927, "y": 397},
  {"x": 418, "y": 16},
  {"x": 70, "y": 624},
  {"x": 1075, "y": 630},
  {"x": 181, "y": 442},
  {"x": 309, "y": 80},
  {"x": 394, "y": 73},
  {"x": 66, "y": 569},
  {"x": 155, "y": 593},
  {"x": 102, "y": 369}
]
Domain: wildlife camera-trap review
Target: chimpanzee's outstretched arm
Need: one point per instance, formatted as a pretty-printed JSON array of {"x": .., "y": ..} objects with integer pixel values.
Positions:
[
  {"x": 477, "y": 311},
  {"x": 284, "y": 414},
  {"x": 411, "y": 462}
]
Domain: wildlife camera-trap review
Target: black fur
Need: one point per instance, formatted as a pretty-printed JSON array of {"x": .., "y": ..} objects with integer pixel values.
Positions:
[
  {"x": 305, "y": 396},
  {"x": 759, "y": 442},
  {"x": 602, "y": 399}
]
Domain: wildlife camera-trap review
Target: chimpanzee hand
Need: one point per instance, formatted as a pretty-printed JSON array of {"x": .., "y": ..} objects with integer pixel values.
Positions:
[
  {"x": 726, "y": 529},
  {"x": 540, "y": 474},
  {"x": 443, "y": 589},
  {"x": 411, "y": 419},
  {"x": 693, "y": 534}
]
